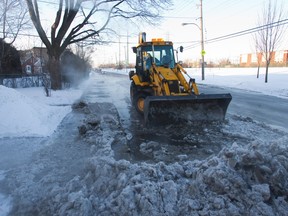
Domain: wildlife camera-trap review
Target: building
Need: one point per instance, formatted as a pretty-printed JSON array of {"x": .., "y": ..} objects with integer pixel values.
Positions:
[
  {"x": 254, "y": 59},
  {"x": 34, "y": 61}
]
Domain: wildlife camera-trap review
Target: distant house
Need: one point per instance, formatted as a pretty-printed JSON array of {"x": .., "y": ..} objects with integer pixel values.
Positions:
[
  {"x": 251, "y": 59},
  {"x": 34, "y": 61}
]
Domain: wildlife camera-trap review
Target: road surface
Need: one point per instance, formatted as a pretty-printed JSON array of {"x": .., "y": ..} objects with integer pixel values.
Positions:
[{"x": 263, "y": 108}]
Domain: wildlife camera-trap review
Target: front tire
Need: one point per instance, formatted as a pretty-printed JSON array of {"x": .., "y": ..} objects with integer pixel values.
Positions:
[
  {"x": 132, "y": 92},
  {"x": 137, "y": 96},
  {"x": 139, "y": 102}
]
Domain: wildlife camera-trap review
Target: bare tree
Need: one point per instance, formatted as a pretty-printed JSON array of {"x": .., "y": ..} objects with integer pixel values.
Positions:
[
  {"x": 13, "y": 18},
  {"x": 269, "y": 37},
  {"x": 78, "y": 20},
  {"x": 84, "y": 54},
  {"x": 259, "y": 61}
]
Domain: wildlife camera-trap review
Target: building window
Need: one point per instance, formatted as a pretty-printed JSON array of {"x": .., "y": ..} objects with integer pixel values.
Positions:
[{"x": 28, "y": 69}]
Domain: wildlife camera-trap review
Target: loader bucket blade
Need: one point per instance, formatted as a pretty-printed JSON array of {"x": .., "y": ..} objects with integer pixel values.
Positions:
[{"x": 174, "y": 109}]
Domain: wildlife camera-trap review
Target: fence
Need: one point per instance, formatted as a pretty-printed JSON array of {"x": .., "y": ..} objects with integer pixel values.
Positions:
[{"x": 41, "y": 80}]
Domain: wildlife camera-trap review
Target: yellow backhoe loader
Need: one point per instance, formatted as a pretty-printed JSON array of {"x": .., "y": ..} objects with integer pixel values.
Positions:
[{"x": 160, "y": 91}]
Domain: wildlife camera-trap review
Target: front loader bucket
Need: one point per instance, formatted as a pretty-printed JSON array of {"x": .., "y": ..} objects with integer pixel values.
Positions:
[{"x": 177, "y": 109}]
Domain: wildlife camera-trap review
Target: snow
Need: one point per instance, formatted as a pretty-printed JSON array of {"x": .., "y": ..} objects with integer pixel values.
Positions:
[
  {"x": 27, "y": 112},
  {"x": 245, "y": 79},
  {"x": 238, "y": 180}
]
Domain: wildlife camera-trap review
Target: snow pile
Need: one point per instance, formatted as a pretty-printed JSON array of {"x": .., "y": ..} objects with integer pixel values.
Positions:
[
  {"x": 64, "y": 97},
  {"x": 5, "y": 204},
  {"x": 24, "y": 116},
  {"x": 237, "y": 182},
  {"x": 249, "y": 180}
]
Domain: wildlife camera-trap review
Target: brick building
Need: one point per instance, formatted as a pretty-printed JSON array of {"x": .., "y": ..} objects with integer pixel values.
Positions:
[
  {"x": 251, "y": 59},
  {"x": 34, "y": 61}
]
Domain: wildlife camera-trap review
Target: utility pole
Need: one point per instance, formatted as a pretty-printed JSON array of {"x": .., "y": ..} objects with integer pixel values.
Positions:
[
  {"x": 202, "y": 41},
  {"x": 201, "y": 28},
  {"x": 127, "y": 55},
  {"x": 119, "y": 54}
]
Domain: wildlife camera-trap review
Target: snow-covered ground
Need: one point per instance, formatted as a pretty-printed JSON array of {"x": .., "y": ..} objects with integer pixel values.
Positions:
[
  {"x": 245, "y": 78},
  {"x": 237, "y": 178},
  {"x": 28, "y": 112}
]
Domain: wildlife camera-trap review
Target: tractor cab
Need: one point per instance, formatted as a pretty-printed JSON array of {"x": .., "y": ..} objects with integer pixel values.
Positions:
[{"x": 158, "y": 52}]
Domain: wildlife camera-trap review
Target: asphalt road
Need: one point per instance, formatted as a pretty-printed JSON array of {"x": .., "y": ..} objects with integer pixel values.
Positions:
[{"x": 262, "y": 108}]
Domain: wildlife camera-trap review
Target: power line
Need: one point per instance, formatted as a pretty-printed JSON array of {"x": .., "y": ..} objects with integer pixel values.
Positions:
[
  {"x": 241, "y": 33},
  {"x": 197, "y": 43},
  {"x": 248, "y": 31},
  {"x": 178, "y": 17}
]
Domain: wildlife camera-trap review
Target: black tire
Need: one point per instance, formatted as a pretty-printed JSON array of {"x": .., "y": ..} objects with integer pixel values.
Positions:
[
  {"x": 132, "y": 91},
  {"x": 137, "y": 96},
  {"x": 131, "y": 74},
  {"x": 138, "y": 102}
]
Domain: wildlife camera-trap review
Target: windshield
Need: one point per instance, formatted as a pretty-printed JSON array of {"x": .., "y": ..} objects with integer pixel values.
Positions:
[{"x": 163, "y": 55}]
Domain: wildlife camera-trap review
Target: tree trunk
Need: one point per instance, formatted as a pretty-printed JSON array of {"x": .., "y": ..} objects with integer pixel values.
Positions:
[
  {"x": 1, "y": 75},
  {"x": 55, "y": 73},
  {"x": 258, "y": 69},
  {"x": 266, "y": 73}
]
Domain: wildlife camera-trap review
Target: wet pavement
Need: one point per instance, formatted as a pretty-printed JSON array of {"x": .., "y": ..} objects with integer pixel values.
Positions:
[{"x": 172, "y": 142}]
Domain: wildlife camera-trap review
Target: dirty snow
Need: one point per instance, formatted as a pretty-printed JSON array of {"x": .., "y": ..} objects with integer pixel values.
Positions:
[{"x": 247, "y": 179}]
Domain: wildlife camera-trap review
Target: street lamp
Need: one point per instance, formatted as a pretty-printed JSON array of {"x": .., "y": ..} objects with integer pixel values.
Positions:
[
  {"x": 192, "y": 24},
  {"x": 202, "y": 40}
]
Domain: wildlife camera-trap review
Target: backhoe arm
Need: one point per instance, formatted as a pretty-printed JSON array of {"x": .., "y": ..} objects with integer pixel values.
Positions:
[
  {"x": 159, "y": 82},
  {"x": 189, "y": 87}
]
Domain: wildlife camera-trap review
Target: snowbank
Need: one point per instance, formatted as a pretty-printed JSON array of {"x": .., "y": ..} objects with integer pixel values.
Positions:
[
  {"x": 36, "y": 115},
  {"x": 238, "y": 181}
]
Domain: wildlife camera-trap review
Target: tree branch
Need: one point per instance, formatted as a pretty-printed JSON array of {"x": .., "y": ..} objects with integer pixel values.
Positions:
[{"x": 33, "y": 10}]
